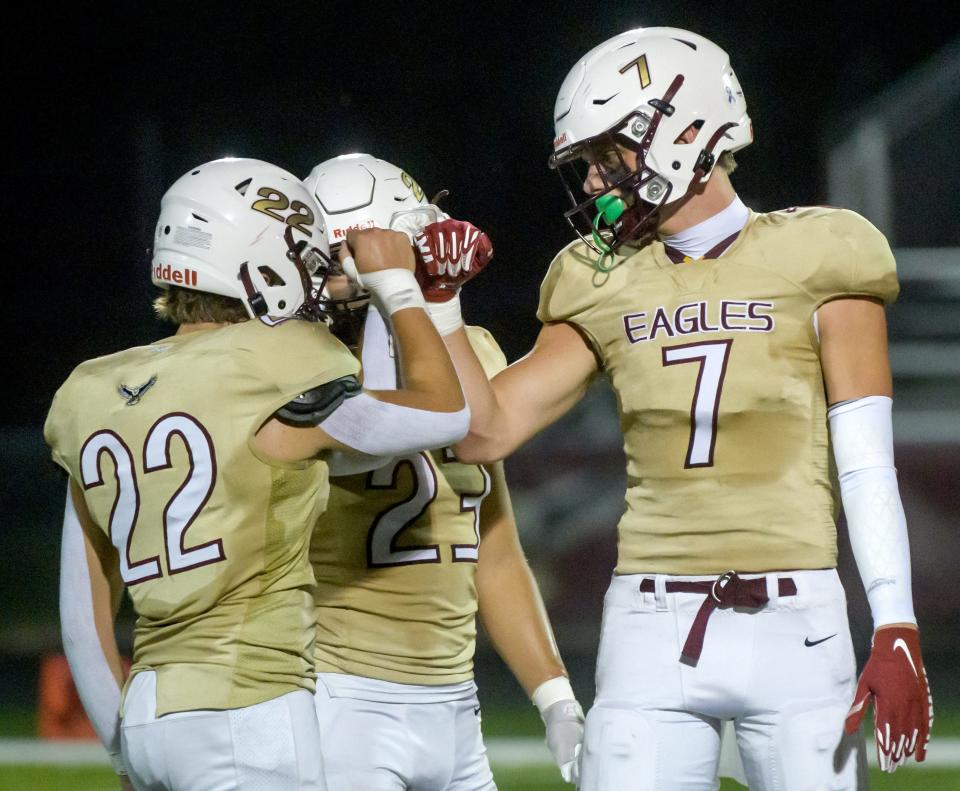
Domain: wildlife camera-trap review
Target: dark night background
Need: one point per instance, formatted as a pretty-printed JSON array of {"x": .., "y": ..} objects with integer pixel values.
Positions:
[{"x": 107, "y": 106}]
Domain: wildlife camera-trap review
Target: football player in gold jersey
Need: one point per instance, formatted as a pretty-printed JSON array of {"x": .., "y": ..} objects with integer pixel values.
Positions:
[
  {"x": 196, "y": 477},
  {"x": 741, "y": 346},
  {"x": 406, "y": 554}
]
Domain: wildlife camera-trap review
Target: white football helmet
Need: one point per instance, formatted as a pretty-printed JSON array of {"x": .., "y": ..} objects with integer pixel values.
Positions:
[
  {"x": 356, "y": 191},
  {"x": 359, "y": 191},
  {"x": 644, "y": 89},
  {"x": 246, "y": 229}
]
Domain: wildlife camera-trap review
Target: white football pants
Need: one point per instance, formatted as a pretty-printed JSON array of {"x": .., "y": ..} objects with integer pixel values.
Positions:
[
  {"x": 372, "y": 745},
  {"x": 785, "y": 674},
  {"x": 271, "y": 746}
]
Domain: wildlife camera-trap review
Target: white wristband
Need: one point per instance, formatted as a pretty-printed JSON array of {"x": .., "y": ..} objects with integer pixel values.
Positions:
[
  {"x": 392, "y": 289},
  {"x": 446, "y": 316},
  {"x": 552, "y": 691}
]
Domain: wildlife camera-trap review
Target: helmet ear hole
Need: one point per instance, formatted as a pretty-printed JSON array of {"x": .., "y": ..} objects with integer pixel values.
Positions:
[
  {"x": 271, "y": 277},
  {"x": 690, "y": 134}
]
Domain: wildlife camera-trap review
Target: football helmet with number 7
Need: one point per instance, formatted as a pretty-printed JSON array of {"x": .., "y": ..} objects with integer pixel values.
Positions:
[
  {"x": 246, "y": 229},
  {"x": 643, "y": 90}
]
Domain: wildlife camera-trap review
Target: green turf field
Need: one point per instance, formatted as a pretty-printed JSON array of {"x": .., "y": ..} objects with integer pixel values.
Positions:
[
  {"x": 33, "y": 778},
  {"x": 499, "y": 723}
]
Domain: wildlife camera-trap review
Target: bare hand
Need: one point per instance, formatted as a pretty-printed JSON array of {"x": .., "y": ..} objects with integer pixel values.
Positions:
[
  {"x": 125, "y": 784},
  {"x": 375, "y": 249}
]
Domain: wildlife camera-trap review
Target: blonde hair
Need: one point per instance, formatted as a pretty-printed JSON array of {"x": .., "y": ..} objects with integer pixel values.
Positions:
[
  {"x": 727, "y": 163},
  {"x": 186, "y": 306}
]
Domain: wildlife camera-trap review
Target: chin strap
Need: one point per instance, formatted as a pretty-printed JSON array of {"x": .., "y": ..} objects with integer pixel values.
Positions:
[
  {"x": 706, "y": 159},
  {"x": 254, "y": 298}
]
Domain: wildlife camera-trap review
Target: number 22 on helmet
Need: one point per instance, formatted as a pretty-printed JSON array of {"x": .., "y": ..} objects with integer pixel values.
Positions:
[{"x": 246, "y": 229}]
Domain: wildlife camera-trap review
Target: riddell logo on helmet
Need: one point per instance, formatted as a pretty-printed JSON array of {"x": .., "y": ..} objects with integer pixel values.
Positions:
[
  {"x": 341, "y": 233},
  {"x": 186, "y": 277},
  {"x": 559, "y": 141}
]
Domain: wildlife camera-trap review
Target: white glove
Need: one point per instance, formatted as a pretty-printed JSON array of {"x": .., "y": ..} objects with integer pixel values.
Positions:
[
  {"x": 563, "y": 719},
  {"x": 564, "y": 724},
  {"x": 412, "y": 221}
]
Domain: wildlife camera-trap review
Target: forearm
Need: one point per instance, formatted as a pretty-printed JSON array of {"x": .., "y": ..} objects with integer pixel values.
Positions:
[
  {"x": 384, "y": 266},
  {"x": 516, "y": 621},
  {"x": 862, "y": 437},
  {"x": 428, "y": 377},
  {"x": 86, "y": 616},
  {"x": 514, "y": 616},
  {"x": 488, "y": 437}
]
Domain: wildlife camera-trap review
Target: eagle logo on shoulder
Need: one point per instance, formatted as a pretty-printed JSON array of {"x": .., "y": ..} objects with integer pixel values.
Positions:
[{"x": 134, "y": 394}]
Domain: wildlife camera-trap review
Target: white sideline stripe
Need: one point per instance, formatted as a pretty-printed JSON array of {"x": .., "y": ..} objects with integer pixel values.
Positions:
[
  {"x": 943, "y": 753},
  {"x": 518, "y": 751},
  {"x": 504, "y": 752},
  {"x": 36, "y": 751}
]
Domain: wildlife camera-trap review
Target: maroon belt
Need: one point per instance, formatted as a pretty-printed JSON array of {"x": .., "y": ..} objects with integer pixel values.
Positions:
[{"x": 727, "y": 590}]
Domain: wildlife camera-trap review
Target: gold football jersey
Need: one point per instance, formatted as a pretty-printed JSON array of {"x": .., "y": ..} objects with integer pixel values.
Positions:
[
  {"x": 212, "y": 539},
  {"x": 395, "y": 558},
  {"x": 716, "y": 367}
]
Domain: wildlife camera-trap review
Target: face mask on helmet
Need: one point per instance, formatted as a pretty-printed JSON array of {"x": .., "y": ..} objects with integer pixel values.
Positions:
[
  {"x": 357, "y": 191},
  {"x": 641, "y": 121},
  {"x": 245, "y": 229},
  {"x": 624, "y": 196}
]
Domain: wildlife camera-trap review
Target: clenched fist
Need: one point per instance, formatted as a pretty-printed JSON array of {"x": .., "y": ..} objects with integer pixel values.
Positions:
[
  {"x": 451, "y": 252},
  {"x": 375, "y": 249}
]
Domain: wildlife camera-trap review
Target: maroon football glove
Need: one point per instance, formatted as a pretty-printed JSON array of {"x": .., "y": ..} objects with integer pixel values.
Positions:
[
  {"x": 450, "y": 253},
  {"x": 895, "y": 679}
]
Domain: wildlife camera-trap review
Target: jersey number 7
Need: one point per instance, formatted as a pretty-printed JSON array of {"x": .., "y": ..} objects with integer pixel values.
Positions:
[{"x": 712, "y": 358}]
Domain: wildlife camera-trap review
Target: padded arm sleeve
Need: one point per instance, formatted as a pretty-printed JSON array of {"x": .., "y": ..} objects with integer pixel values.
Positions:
[
  {"x": 379, "y": 428},
  {"x": 92, "y": 676},
  {"x": 862, "y": 434},
  {"x": 346, "y": 464}
]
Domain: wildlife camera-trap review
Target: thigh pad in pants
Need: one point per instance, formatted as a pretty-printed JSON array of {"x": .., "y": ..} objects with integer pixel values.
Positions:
[
  {"x": 619, "y": 751},
  {"x": 807, "y": 751}
]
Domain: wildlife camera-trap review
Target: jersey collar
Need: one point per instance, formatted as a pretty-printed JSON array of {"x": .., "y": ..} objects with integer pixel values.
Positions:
[{"x": 710, "y": 238}]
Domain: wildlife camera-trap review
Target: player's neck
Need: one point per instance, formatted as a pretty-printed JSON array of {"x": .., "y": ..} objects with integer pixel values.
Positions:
[{"x": 707, "y": 200}]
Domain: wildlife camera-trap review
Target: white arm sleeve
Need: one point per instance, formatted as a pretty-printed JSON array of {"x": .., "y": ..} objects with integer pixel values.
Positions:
[
  {"x": 92, "y": 676},
  {"x": 379, "y": 428},
  {"x": 342, "y": 464},
  {"x": 862, "y": 435}
]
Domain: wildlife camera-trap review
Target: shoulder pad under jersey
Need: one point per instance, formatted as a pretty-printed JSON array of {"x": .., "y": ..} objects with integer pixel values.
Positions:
[{"x": 314, "y": 406}]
